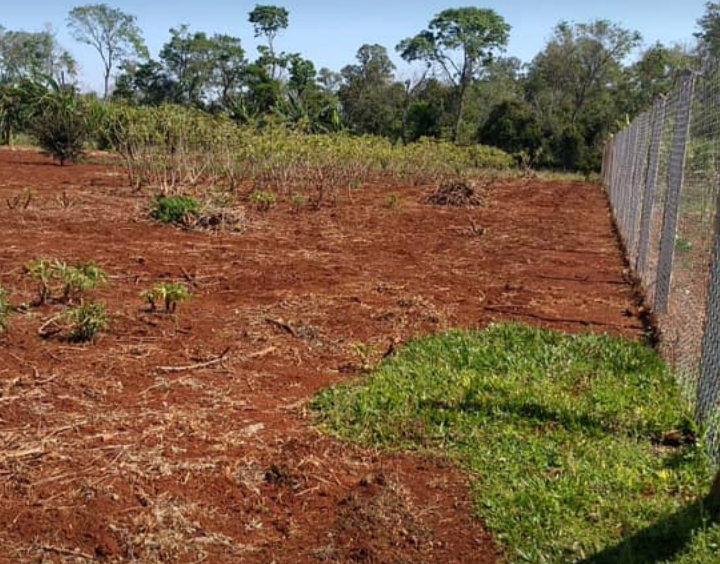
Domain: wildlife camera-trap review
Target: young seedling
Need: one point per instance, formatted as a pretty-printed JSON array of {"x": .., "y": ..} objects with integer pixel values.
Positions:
[
  {"x": 169, "y": 294},
  {"x": 42, "y": 271},
  {"x": 86, "y": 322},
  {"x": 72, "y": 281},
  {"x": 79, "y": 279}
]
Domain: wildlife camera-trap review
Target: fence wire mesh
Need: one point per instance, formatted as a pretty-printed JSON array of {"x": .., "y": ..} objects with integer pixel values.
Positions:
[{"x": 662, "y": 174}]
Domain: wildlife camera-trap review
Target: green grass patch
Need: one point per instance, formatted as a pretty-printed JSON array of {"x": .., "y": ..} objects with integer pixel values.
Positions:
[{"x": 562, "y": 434}]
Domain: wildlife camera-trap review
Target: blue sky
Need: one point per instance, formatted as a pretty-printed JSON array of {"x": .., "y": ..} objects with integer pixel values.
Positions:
[{"x": 329, "y": 33}]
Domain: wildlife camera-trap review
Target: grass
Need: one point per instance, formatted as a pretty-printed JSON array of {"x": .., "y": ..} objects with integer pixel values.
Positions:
[{"x": 563, "y": 436}]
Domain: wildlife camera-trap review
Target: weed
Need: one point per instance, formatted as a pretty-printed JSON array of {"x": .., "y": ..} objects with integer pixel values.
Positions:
[
  {"x": 683, "y": 245},
  {"x": 180, "y": 210},
  {"x": 298, "y": 201},
  {"x": 85, "y": 322},
  {"x": 564, "y": 434},
  {"x": 169, "y": 294},
  {"x": 4, "y": 309},
  {"x": 393, "y": 201},
  {"x": 263, "y": 200}
]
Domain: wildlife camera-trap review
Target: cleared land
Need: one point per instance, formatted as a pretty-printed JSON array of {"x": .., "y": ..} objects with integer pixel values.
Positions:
[{"x": 120, "y": 449}]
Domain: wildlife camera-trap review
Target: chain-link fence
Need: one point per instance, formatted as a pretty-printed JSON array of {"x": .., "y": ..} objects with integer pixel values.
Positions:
[{"x": 662, "y": 174}]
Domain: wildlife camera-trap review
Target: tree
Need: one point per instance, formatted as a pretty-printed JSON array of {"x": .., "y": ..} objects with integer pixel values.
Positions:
[
  {"x": 371, "y": 100},
  {"x": 460, "y": 41},
  {"x": 114, "y": 34},
  {"x": 709, "y": 34},
  {"x": 579, "y": 64},
  {"x": 268, "y": 21},
  {"x": 33, "y": 55}
]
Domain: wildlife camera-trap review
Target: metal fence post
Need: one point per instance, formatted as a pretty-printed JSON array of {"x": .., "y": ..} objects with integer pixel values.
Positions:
[
  {"x": 672, "y": 204},
  {"x": 638, "y": 183},
  {"x": 658, "y": 124},
  {"x": 708, "y": 389}
]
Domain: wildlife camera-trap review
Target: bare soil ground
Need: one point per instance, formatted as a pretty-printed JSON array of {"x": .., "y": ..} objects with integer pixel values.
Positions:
[{"x": 109, "y": 454}]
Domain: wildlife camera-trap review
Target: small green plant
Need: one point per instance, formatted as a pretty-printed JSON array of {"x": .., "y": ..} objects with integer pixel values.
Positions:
[
  {"x": 41, "y": 271},
  {"x": 263, "y": 200},
  {"x": 298, "y": 201},
  {"x": 393, "y": 201},
  {"x": 4, "y": 309},
  {"x": 180, "y": 210},
  {"x": 78, "y": 279},
  {"x": 85, "y": 322},
  {"x": 683, "y": 245},
  {"x": 169, "y": 294},
  {"x": 52, "y": 275}
]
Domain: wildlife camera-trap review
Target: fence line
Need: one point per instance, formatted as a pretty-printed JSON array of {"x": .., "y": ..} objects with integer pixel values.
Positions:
[{"x": 662, "y": 175}]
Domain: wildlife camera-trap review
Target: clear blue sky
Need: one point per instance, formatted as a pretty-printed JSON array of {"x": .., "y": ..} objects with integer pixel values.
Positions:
[{"x": 330, "y": 32}]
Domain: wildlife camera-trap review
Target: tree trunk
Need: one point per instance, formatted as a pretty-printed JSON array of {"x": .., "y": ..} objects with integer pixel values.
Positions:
[{"x": 460, "y": 110}]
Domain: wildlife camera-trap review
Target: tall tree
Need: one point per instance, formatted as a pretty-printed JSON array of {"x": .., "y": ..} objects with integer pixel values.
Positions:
[
  {"x": 268, "y": 21},
  {"x": 114, "y": 34},
  {"x": 579, "y": 64},
  {"x": 460, "y": 41},
  {"x": 708, "y": 35},
  {"x": 34, "y": 55},
  {"x": 371, "y": 100}
]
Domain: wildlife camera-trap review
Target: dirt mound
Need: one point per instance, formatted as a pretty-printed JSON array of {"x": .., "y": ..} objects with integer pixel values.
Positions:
[{"x": 457, "y": 194}]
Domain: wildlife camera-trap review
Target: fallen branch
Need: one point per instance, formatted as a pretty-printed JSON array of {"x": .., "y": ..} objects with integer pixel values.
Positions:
[
  {"x": 66, "y": 552},
  {"x": 282, "y": 325},
  {"x": 198, "y": 366}
]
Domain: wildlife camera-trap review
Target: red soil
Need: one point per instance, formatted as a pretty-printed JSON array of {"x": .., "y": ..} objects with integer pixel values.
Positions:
[{"x": 105, "y": 456}]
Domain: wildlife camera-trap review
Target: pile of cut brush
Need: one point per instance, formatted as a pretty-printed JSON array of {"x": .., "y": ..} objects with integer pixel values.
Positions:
[{"x": 457, "y": 193}]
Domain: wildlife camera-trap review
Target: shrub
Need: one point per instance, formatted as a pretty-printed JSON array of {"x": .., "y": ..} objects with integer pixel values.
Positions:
[
  {"x": 60, "y": 125},
  {"x": 180, "y": 210},
  {"x": 169, "y": 294}
]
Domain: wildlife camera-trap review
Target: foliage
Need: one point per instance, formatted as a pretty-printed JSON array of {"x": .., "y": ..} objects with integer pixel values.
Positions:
[
  {"x": 85, "y": 322},
  {"x": 114, "y": 34},
  {"x": 28, "y": 55},
  {"x": 59, "y": 123},
  {"x": 175, "y": 209},
  {"x": 79, "y": 279},
  {"x": 66, "y": 282},
  {"x": 169, "y": 294},
  {"x": 172, "y": 147},
  {"x": 263, "y": 200},
  {"x": 563, "y": 434},
  {"x": 461, "y": 41}
]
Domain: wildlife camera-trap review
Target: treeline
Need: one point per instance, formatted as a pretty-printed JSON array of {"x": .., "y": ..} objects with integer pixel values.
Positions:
[{"x": 554, "y": 112}]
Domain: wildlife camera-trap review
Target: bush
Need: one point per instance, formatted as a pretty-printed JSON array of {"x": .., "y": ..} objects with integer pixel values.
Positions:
[
  {"x": 60, "y": 126},
  {"x": 180, "y": 210}
]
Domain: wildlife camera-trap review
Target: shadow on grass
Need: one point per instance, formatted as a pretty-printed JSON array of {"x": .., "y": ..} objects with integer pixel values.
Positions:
[{"x": 664, "y": 540}]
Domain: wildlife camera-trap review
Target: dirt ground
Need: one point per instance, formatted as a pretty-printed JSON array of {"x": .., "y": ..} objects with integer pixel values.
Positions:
[{"x": 119, "y": 451}]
